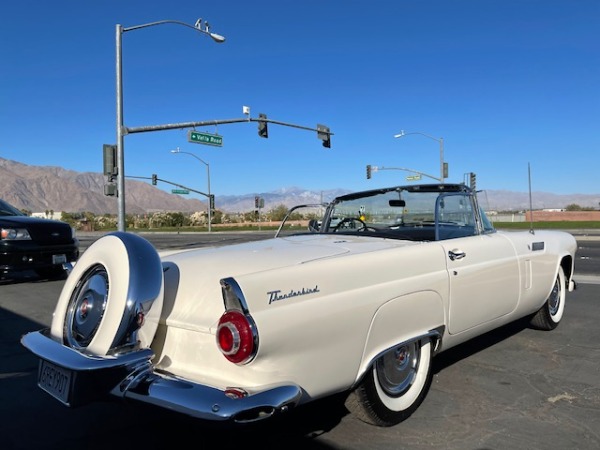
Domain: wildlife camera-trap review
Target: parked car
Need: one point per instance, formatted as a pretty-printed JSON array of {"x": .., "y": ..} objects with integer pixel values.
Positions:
[
  {"x": 30, "y": 243},
  {"x": 359, "y": 304}
]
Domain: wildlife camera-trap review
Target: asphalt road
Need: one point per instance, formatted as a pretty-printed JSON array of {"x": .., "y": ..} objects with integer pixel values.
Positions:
[{"x": 514, "y": 388}]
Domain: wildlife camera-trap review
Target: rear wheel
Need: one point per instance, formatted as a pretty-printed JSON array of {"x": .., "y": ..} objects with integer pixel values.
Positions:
[
  {"x": 549, "y": 315},
  {"x": 395, "y": 386}
]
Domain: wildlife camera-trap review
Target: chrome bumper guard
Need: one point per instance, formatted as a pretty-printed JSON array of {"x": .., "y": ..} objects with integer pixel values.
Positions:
[{"x": 132, "y": 376}]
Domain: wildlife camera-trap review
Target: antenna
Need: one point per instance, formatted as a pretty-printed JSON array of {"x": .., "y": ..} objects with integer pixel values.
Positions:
[{"x": 530, "y": 201}]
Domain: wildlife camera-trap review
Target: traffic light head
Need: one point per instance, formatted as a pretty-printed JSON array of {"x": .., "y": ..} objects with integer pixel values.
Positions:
[
  {"x": 473, "y": 181},
  {"x": 154, "y": 179},
  {"x": 263, "y": 130},
  {"x": 110, "y": 160},
  {"x": 368, "y": 171},
  {"x": 324, "y": 134}
]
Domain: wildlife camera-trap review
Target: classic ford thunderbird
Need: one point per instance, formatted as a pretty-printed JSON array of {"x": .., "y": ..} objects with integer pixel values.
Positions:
[{"x": 358, "y": 303}]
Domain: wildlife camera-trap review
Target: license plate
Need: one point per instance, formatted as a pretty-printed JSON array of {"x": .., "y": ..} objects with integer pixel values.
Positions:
[
  {"x": 59, "y": 259},
  {"x": 55, "y": 380}
]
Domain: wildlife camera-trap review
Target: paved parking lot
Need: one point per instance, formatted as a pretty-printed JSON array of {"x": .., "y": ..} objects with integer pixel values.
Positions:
[{"x": 514, "y": 388}]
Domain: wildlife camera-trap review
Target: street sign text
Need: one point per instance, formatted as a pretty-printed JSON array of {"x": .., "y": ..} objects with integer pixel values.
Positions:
[{"x": 205, "y": 138}]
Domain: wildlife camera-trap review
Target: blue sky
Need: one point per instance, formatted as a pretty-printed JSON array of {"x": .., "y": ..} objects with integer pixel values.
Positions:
[{"x": 504, "y": 83}]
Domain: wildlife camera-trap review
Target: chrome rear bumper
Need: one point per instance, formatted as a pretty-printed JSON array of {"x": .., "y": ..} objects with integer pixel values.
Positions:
[{"x": 132, "y": 376}]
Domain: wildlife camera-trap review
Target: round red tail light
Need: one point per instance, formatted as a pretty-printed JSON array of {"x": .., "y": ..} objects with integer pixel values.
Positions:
[{"x": 236, "y": 337}]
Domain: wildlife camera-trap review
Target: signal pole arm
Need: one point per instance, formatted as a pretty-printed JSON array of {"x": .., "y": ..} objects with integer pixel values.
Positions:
[
  {"x": 371, "y": 169},
  {"x": 323, "y": 131},
  {"x": 171, "y": 183}
]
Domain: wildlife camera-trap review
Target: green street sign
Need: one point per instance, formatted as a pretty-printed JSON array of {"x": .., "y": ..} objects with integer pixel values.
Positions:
[
  {"x": 205, "y": 138},
  {"x": 179, "y": 191},
  {"x": 413, "y": 177}
]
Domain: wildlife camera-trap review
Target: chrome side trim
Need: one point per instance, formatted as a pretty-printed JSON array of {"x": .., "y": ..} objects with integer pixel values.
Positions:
[{"x": 233, "y": 297}]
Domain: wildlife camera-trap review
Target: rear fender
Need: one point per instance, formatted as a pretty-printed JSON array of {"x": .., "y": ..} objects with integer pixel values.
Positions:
[{"x": 400, "y": 320}]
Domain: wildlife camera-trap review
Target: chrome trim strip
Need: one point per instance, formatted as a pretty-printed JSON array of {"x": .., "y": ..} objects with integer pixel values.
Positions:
[{"x": 233, "y": 297}]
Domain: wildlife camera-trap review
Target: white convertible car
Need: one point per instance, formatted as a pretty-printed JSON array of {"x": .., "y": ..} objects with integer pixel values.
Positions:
[{"x": 360, "y": 303}]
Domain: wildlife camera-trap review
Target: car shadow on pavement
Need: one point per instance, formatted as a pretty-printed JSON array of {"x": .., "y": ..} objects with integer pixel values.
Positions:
[{"x": 460, "y": 352}]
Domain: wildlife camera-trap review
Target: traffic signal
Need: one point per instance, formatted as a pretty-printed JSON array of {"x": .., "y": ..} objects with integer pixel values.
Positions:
[
  {"x": 324, "y": 134},
  {"x": 154, "y": 179},
  {"x": 445, "y": 170},
  {"x": 212, "y": 202},
  {"x": 263, "y": 131},
  {"x": 473, "y": 181},
  {"x": 110, "y": 160},
  {"x": 368, "y": 171},
  {"x": 110, "y": 189},
  {"x": 256, "y": 201}
]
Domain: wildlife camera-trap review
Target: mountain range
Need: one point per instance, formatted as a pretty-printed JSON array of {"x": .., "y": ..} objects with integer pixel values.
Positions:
[{"x": 45, "y": 188}]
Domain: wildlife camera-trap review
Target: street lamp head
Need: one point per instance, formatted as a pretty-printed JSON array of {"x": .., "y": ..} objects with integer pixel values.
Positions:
[
  {"x": 400, "y": 134},
  {"x": 217, "y": 38},
  {"x": 176, "y": 150}
]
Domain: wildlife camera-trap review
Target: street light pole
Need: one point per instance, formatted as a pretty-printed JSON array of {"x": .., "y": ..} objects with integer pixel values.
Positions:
[
  {"x": 208, "y": 178},
  {"x": 121, "y": 129},
  {"x": 441, "y": 142}
]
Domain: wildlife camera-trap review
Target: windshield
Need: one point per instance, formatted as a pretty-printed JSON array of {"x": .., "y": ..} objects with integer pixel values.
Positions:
[
  {"x": 423, "y": 213},
  {"x": 387, "y": 209},
  {"x": 8, "y": 210}
]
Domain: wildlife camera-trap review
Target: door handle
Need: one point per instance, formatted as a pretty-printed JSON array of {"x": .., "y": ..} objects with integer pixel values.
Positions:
[{"x": 456, "y": 254}]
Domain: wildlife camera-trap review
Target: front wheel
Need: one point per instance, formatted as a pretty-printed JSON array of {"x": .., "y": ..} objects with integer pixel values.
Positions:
[
  {"x": 395, "y": 386},
  {"x": 548, "y": 316}
]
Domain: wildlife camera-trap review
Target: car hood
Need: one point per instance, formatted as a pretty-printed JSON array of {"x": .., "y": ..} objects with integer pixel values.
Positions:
[
  {"x": 45, "y": 231},
  {"x": 296, "y": 263}
]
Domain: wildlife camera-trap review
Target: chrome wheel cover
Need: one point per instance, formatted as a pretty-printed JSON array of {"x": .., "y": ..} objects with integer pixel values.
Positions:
[
  {"x": 397, "y": 369},
  {"x": 86, "y": 307},
  {"x": 554, "y": 298}
]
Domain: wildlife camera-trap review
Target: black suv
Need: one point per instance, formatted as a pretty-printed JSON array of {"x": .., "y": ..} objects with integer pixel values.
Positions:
[{"x": 29, "y": 243}]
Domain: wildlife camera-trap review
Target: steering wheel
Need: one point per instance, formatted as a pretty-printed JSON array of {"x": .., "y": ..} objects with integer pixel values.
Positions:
[{"x": 347, "y": 220}]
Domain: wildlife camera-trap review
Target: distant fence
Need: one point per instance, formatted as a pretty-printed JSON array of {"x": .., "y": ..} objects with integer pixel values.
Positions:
[
  {"x": 563, "y": 216},
  {"x": 516, "y": 217},
  {"x": 547, "y": 216}
]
